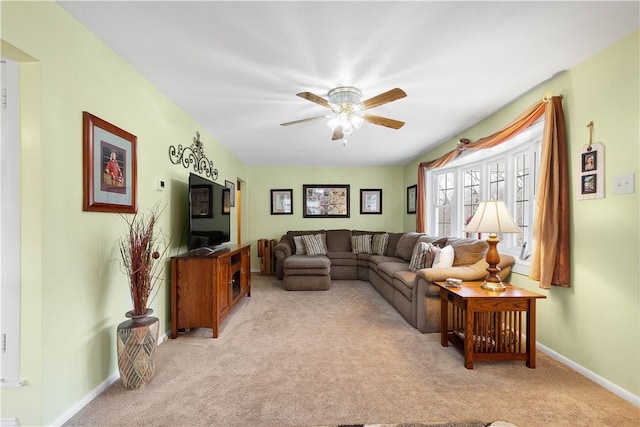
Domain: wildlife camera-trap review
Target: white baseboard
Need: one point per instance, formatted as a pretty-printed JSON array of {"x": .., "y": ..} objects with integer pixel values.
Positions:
[
  {"x": 617, "y": 390},
  {"x": 69, "y": 413}
]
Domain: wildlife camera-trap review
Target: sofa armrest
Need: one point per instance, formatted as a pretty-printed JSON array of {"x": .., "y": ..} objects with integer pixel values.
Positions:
[{"x": 281, "y": 251}]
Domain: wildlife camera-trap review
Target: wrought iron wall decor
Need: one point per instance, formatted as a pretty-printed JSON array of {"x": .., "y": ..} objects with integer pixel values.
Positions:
[{"x": 193, "y": 155}]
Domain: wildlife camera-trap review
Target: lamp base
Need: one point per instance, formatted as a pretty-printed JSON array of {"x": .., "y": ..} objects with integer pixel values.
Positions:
[{"x": 493, "y": 286}]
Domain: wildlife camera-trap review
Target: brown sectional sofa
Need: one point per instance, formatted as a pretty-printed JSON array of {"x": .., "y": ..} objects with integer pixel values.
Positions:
[{"x": 413, "y": 295}]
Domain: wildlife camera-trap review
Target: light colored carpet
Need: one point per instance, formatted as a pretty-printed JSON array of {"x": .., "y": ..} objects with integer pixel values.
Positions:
[{"x": 342, "y": 356}]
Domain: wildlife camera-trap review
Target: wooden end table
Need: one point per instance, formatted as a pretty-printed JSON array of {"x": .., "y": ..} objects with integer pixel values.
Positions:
[{"x": 488, "y": 325}]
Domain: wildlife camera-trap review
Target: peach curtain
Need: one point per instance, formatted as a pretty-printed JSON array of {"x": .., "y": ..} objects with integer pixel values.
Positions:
[{"x": 550, "y": 262}]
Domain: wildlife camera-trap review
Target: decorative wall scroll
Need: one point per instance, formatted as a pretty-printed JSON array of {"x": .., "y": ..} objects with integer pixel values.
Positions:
[
  {"x": 193, "y": 155},
  {"x": 590, "y": 182},
  {"x": 109, "y": 167}
]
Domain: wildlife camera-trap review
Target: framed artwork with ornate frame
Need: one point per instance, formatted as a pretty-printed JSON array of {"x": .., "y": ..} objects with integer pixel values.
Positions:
[
  {"x": 325, "y": 201},
  {"x": 282, "y": 202},
  {"x": 370, "y": 201},
  {"x": 109, "y": 167},
  {"x": 411, "y": 199}
]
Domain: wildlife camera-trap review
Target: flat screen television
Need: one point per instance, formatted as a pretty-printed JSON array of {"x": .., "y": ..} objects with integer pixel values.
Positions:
[{"x": 209, "y": 219}]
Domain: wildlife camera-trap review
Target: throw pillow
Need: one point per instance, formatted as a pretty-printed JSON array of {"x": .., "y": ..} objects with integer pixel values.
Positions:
[
  {"x": 431, "y": 255},
  {"x": 379, "y": 243},
  {"x": 441, "y": 243},
  {"x": 418, "y": 257},
  {"x": 300, "y": 250},
  {"x": 361, "y": 244},
  {"x": 314, "y": 245},
  {"x": 444, "y": 259}
]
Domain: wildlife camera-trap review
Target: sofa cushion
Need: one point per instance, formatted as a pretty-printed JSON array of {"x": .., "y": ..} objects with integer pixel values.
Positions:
[
  {"x": 419, "y": 256},
  {"x": 379, "y": 243},
  {"x": 393, "y": 243},
  {"x": 376, "y": 260},
  {"x": 342, "y": 258},
  {"x": 299, "y": 245},
  {"x": 405, "y": 281},
  {"x": 291, "y": 234},
  {"x": 339, "y": 240},
  {"x": 304, "y": 265},
  {"x": 361, "y": 244},
  {"x": 387, "y": 270},
  {"x": 406, "y": 243},
  {"x": 314, "y": 244},
  {"x": 468, "y": 251},
  {"x": 444, "y": 258}
]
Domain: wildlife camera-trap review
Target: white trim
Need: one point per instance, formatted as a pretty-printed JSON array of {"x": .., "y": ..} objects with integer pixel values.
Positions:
[
  {"x": 69, "y": 413},
  {"x": 613, "y": 388}
]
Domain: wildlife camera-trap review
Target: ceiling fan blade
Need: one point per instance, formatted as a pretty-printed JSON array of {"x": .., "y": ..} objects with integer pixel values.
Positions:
[
  {"x": 337, "y": 134},
  {"x": 314, "y": 98},
  {"x": 310, "y": 119},
  {"x": 383, "y": 121},
  {"x": 383, "y": 98}
]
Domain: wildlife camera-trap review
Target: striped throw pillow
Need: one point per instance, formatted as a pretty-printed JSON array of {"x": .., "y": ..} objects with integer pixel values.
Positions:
[
  {"x": 361, "y": 244},
  {"x": 419, "y": 256},
  {"x": 379, "y": 243},
  {"x": 314, "y": 244}
]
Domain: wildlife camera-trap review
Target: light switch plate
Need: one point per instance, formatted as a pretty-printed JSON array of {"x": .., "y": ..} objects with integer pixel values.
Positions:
[{"x": 624, "y": 183}]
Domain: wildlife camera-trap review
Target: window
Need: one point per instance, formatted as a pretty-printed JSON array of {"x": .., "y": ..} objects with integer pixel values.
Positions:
[{"x": 505, "y": 172}]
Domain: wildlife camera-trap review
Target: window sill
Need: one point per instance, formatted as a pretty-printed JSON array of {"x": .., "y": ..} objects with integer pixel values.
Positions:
[{"x": 521, "y": 267}]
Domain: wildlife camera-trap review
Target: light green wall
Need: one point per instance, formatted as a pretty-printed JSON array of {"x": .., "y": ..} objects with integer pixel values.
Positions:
[
  {"x": 595, "y": 322},
  {"x": 73, "y": 291},
  {"x": 263, "y": 225}
]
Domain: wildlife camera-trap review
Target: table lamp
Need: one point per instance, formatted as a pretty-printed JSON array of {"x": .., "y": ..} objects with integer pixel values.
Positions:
[{"x": 492, "y": 217}]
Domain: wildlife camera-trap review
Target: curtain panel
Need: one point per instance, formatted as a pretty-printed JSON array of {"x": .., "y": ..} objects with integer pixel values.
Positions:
[{"x": 550, "y": 263}]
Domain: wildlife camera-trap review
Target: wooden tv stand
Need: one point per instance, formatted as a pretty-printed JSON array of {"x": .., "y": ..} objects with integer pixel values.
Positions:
[{"x": 205, "y": 287}]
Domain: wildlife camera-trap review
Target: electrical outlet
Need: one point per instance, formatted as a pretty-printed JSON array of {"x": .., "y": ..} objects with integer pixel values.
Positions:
[
  {"x": 624, "y": 183},
  {"x": 160, "y": 184}
]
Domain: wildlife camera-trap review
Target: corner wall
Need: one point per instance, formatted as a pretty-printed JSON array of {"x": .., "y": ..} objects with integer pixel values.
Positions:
[{"x": 596, "y": 322}]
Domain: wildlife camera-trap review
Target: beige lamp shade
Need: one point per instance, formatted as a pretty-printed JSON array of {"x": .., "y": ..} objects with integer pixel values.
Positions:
[{"x": 492, "y": 217}]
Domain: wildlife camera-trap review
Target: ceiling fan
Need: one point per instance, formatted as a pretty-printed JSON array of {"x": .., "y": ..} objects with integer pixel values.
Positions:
[{"x": 348, "y": 111}]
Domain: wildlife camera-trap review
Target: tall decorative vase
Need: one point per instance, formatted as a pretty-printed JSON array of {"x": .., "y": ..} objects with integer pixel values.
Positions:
[{"x": 137, "y": 342}]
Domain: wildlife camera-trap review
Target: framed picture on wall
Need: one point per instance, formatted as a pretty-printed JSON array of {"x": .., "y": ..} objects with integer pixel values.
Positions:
[
  {"x": 232, "y": 192},
  {"x": 325, "y": 201},
  {"x": 411, "y": 199},
  {"x": 109, "y": 167},
  {"x": 370, "y": 201},
  {"x": 281, "y": 202}
]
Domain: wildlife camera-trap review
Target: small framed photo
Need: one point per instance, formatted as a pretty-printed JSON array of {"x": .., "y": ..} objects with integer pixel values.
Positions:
[
  {"x": 109, "y": 167},
  {"x": 282, "y": 202},
  {"x": 370, "y": 201},
  {"x": 232, "y": 192},
  {"x": 589, "y": 184},
  {"x": 411, "y": 199},
  {"x": 589, "y": 161},
  {"x": 325, "y": 201}
]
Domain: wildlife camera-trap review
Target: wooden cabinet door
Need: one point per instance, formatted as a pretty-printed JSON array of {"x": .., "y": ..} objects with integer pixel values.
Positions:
[
  {"x": 224, "y": 283},
  {"x": 245, "y": 270}
]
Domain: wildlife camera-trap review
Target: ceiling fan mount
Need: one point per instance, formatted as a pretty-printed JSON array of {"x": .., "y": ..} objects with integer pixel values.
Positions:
[{"x": 348, "y": 109}]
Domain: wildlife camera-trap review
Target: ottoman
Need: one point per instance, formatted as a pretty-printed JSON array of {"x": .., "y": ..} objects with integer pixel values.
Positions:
[{"x": 306, "y": 273}]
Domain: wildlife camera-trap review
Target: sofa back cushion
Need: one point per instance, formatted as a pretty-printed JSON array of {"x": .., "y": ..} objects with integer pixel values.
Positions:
[
  {"x": 339, "y": 240},
  {"x": 406, "y": 243},
  {"x": 468, "y": 251},
  {"x": 392, "y": 244}
]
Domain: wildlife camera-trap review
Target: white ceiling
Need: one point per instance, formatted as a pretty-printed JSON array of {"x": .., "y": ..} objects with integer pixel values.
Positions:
[{"x": 236, "y": 66}]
